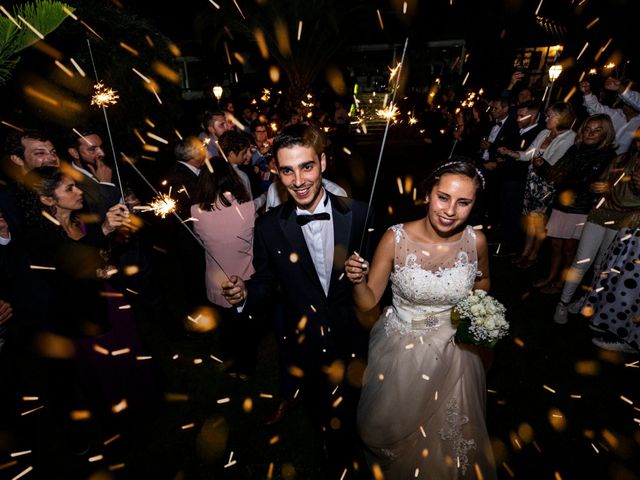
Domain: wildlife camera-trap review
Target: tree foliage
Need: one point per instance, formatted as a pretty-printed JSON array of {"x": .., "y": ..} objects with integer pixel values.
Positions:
[{"x": 44, "y": 15}]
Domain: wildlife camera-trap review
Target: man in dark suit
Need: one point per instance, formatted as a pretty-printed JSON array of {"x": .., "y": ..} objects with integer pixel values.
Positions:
[
  {"x": 185, "y": 261},
  {"x": 512, "y": 175},
  {"x": 92, "y": 173},
  {"x": 301, "y": 246}
]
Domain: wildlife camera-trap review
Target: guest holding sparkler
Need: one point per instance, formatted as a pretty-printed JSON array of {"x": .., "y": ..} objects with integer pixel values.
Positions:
[
  {"x": 83, "y": 311},
  {"x": 224, "y": 217}
]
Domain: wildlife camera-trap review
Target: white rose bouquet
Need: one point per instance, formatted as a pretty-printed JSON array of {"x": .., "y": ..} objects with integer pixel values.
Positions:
[{"x": 480, "y": 320}]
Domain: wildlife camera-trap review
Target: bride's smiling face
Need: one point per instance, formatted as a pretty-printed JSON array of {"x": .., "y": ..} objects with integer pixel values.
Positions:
[{"x": 450, "y": 202}]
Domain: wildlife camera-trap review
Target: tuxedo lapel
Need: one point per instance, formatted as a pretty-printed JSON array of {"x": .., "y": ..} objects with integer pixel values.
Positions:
[
  {"x": 342, "y": 218},
  {"x": 293, "y": 233}
]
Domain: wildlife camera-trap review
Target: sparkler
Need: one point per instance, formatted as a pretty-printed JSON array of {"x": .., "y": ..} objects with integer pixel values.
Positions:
[
  {"x": 161, "y": 206},
  {"x": 384, "y": 141},
  {"x": 173, "y": 212},
  {"x": 102, "y": 99}
]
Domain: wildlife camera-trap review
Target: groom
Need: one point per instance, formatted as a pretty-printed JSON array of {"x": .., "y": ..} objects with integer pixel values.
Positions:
[{"x": 300, "y": 248}]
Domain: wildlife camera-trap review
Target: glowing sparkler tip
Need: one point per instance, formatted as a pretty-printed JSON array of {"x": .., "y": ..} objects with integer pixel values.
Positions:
[
  {"x": 161, "y": 206},
  {"x": 104, "y": 96}
]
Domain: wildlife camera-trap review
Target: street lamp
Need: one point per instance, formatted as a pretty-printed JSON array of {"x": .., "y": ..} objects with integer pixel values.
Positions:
[
  {"x": 554, "y": 73},
  {"x": 217, "y": 92}
]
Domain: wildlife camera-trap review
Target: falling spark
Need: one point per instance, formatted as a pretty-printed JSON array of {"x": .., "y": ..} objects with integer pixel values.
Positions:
[
  {"x": 266, "y": 395},
  {"x": 156, "y": 137},
  {"x": 584, "y": 260},
  {"x": 130, "y": 49},
  {"x": 40, "y": 267},
  {"x": 103, "y": 96},
  {"x": 19, "y": 454},
  {"x": 466, "y": 77},
  {"x": 96, "y": 458},
  {"x": 393, "y": 71},
  {"x": 619, "y": 179},
  {"x": 12, "y": 126},
  {"x": 231, "y": 462},
  {"x": 187, "y": 426},
  {"x": 156, "y": 94},
  {"x": 539, "y": 6},
  {"x": 548, "y": 388},
  {"x": 143, "y": 77},
  {"x": 593, "y": 22},
  {"x": 600, "y": 203},
  {"x": 215, "y": 4},
  {"x": 31, "y": 27},
  {"x": 78, "y": 67},
  {"x": 239, "y": 9},
  {"x": 50, "y": 217},
  {"x": 582, "y": 51},
  {"x": 23, "y": 473},
  {"x": 299, "y": 30},
  {"x": 120, "y": 406},
  {"x": 380, "y": 20},
  {"x": 10, "y": 17},
  {"x": 216, "y": 359},
  {"x": 32, "y": 410},
  {"x": 625, "y": 399},
  {"x": 65, "y": 69}
]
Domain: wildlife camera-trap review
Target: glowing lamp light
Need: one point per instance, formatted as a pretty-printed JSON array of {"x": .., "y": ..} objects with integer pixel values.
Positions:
[
  {"x": 554, "y": 72},
  {"x": 217, "y": 92}
]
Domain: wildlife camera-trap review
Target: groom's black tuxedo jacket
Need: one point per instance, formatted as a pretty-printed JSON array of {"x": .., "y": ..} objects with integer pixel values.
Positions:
[{"x": 281, "y": 259}]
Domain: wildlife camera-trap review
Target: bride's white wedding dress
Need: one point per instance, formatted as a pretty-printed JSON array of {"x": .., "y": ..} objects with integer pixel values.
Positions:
[{"x": 422, "y": 409}]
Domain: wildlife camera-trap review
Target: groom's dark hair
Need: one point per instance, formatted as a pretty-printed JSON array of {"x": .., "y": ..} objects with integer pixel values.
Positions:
[{"x": 299, "y": 135}]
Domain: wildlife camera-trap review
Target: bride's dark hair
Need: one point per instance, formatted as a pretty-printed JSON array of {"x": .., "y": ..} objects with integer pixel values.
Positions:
[{"x": 455, "y": 166}]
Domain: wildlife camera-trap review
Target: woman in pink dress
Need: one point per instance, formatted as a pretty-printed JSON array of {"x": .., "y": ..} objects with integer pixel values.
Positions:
[{"x": 224, "y": 216}]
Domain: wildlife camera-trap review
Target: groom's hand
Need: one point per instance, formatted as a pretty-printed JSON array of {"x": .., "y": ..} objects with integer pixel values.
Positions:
[{"x": 234, "y": 290}]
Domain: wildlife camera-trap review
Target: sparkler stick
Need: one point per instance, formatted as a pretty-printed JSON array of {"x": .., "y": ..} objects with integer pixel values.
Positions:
[
  {"x": 106, "y": 121},
  {"x": 384, "y": 139},
  {"x": 175, "y": 214}
]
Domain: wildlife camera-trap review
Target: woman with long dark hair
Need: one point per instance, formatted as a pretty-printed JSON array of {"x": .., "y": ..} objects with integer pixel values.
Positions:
[
  {"x": 225, "y": 217},
  {"x": 422, "y": 392}
]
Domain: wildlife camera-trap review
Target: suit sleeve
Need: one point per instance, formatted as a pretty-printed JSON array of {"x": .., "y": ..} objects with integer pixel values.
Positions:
[{"x": 262, "y": 284}]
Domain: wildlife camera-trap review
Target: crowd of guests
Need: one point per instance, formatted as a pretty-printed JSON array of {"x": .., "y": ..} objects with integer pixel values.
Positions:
[
  {"x": 76, "y": 262},
  {"x": 574, "y": 181}
]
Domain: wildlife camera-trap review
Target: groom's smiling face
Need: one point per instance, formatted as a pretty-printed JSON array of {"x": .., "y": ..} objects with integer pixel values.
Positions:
[{"x": 300, "y": 170}]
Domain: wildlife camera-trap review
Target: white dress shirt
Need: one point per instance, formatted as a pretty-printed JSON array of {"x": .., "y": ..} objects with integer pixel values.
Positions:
[
  {"x": 318, "y": 235},
  {"x": 495, "y": 130}
]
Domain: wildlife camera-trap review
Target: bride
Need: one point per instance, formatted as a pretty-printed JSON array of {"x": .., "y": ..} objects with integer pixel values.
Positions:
[{"x": 422, "y": 409}]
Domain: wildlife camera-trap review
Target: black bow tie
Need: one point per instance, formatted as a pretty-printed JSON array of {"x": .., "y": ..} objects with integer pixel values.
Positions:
[
  {"x": 499, "y": 123},
  {"x": 304, "y": 219}
]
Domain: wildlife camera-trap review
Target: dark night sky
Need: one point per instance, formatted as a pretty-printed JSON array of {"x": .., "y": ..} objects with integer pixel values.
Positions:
[{"x": 491, "y": 28}]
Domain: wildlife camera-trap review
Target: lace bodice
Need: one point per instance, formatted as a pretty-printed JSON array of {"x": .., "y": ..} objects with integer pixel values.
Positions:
[{"x": 429, "y": 279}]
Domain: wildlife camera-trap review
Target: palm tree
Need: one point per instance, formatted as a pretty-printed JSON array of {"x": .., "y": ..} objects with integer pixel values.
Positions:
[{"x": 16, "y": 35}]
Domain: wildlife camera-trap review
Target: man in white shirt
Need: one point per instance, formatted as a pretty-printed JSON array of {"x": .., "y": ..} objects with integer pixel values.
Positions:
[{"x": 301, "y": 246}]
